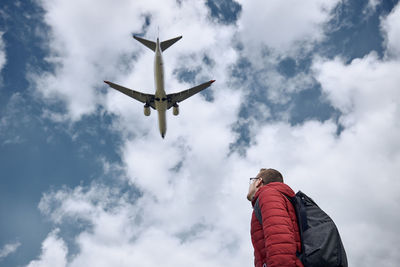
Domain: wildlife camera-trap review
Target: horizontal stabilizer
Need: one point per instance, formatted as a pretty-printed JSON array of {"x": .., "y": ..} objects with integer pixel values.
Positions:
[
  {"x": 165, "y": 44},
  {"x": 149, "y": 44}
]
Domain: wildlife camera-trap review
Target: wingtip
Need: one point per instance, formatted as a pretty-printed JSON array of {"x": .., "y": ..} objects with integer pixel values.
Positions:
[
  {"x": 107, "y": 82},
  {"x": 212, "y": 81}
]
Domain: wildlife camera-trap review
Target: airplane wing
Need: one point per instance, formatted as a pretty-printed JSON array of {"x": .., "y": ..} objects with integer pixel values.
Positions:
[
  {"x": 144, "y": 98},
  {"x": 179, "y": 97}
]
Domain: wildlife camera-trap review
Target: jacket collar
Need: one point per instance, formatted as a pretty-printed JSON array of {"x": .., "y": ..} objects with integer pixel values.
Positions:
[{"x": 281, "y": 187}]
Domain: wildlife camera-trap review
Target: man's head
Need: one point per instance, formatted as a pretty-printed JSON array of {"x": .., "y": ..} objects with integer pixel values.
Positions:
[
  {"x": 270, "y": 175},
  {"x": 264, "y": 177}
]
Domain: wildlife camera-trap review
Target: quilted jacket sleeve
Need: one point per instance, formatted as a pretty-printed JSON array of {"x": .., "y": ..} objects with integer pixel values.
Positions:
[{"x": 278, "y": 230}]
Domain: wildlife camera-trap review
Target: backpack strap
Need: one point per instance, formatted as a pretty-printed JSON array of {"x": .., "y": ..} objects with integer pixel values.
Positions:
[
  {"x": 300, "y": 210},
  {"x": 301, "y": 221},
  {"x": 257, "y": 211}
]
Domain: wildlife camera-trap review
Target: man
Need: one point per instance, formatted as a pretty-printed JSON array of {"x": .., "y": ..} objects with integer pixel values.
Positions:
[{"x": 277, "y": 239}]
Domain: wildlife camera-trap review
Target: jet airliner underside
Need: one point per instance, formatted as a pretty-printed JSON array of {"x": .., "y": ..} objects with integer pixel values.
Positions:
[{"x": 160, "y": 101}]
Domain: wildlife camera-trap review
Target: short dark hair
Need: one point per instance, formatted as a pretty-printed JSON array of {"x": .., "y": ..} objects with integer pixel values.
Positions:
[{"x": 270, "y": 175}]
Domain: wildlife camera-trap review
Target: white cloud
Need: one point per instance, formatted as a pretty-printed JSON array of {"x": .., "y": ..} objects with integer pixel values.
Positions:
[
  {"x": 8, "y": 249},
  {"x": 11, "y": 118},
  {"x": 2, "y": 52},
  {"x": 373, "y": 3},
  {"x": 361, "y": 90},
  {"x": 272, "y": 31},
  {"x": 140, "y": 232},
  {"x": 54, "y": 252},
  {"x": 391, "y": 28},
  {"x": 286, "y": 27},
  {"x": 364, "y": 160},
  {"x": 370, "y": 8}
]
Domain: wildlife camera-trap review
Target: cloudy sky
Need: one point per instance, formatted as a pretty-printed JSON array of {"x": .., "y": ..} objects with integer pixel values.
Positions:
[{"x": 310, "y": 88}]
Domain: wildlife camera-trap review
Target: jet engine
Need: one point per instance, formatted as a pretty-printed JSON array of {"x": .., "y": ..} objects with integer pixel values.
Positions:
[
  {"x": 147, "y": 110},
  {"x": 175, "y": 110}
]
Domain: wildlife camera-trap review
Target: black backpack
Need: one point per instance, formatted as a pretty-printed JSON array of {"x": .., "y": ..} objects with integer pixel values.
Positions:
[{"x": 321, "y": 245}]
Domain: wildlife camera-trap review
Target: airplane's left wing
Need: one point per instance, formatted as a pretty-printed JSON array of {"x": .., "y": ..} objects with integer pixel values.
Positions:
[
  {"x": 179, "y": 97},
  {"x": 144, "y": 98}
]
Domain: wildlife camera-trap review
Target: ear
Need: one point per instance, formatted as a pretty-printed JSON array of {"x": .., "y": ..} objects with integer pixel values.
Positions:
[{"x": 259, "y": 183}]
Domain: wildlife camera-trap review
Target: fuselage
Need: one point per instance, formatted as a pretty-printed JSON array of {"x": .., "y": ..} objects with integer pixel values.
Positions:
[{"x": 160, "y": 95}]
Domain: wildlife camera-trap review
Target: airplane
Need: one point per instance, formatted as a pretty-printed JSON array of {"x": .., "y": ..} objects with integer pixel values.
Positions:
[{"x": 160, "y": 101}]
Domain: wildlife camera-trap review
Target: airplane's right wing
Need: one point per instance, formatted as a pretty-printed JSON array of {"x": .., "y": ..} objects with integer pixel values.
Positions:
[
  {"x": 179, "y": 97},
  {"x": 144, "y": 98}
]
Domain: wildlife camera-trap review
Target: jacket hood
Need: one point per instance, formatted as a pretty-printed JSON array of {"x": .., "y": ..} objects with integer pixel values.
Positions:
[{"x": 281, "y": 187}]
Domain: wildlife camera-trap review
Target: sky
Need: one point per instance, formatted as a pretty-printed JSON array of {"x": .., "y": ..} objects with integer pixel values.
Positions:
[{"x": 310, "y": 88}]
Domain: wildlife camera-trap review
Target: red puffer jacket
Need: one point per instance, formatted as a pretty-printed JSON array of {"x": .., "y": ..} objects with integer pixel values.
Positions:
[{"x": 276, "y": 241}]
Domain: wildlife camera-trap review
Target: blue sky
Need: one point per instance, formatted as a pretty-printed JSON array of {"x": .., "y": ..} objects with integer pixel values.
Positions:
[{"x": 308, "y": 88}]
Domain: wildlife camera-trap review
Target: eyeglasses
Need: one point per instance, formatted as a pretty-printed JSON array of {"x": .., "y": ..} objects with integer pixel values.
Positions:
[{"x": 252, "y": 179}]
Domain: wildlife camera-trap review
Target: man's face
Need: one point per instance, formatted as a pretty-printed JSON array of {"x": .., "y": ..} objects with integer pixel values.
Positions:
[{"x": 253, "y": 187}]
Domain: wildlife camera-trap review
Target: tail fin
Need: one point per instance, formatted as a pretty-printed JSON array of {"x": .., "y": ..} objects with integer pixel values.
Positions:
[
  {"x": 164, "y": 45},
  {"x": 149, "y": 44}
]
